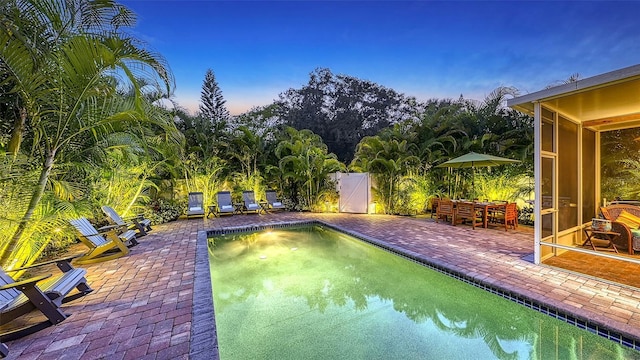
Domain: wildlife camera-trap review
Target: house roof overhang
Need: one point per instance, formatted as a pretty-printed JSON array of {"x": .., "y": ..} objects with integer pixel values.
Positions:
[{"x": 604, "y": 102}]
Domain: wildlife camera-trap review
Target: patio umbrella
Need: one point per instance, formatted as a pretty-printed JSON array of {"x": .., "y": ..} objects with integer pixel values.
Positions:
[{"x": 473, "y": 160}]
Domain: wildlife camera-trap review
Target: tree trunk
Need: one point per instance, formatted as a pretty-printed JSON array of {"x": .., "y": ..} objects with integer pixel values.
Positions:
[
  {"x": 35, "y": 200},
  {"x": 16, "y": 134}
]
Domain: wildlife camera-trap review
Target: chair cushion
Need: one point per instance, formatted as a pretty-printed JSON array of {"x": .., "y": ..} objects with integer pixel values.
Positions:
[
  {"x": 628, "y": 219},
  {"x": 277, "y": 203},
  {"x": 226, "y": 207},
  {"x": 195, "y": 208},
  {"x": 253, "y": 206}
]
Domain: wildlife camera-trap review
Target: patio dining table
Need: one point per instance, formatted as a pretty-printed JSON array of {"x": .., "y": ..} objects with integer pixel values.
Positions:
[{"x": 485, "y": 207}]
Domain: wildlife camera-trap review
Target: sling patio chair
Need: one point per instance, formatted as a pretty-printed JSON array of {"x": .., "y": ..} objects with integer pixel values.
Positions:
[
  {"x": 273, "y": 202},
  {"x": 44, "y": 292},
  {"x": 138, "y": 222},
  {"x": 224, "y": 204},
  {"x": 250, "y": 204},
  {"x": 103, "y": 245},
  {"x": 196, "y": 205}
]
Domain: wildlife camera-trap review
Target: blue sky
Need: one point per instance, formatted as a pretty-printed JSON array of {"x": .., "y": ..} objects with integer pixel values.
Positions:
[{"x": 258, "y": 49}]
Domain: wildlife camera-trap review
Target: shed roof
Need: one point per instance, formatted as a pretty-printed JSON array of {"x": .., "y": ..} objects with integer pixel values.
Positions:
[{"x": 603, "y": 102}]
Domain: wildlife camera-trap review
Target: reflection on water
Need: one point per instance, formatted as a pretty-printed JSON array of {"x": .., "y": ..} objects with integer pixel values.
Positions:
[{"x": 315, "y": 293}]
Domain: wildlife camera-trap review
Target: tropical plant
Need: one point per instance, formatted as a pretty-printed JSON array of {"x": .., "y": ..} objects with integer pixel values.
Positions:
[
  {"x": 161, "y": 211},
  {"x": 305, "y": 164},
  {"x": 388, "y": 157},
  {"x": 206, "y": 176},
  {"x": 67, "y": 62},
  {"x": 503, "y": 186}
]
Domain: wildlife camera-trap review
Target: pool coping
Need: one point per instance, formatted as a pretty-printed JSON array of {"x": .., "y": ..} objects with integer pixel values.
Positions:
[{"x": 203, "y": 332}]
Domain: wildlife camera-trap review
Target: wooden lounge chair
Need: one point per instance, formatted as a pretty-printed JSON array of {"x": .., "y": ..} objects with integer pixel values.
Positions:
[
  {"x": 45, "y": 293},
  {"x": 273, "y": 202},
  {"x": 138, "y": 222},
  {"x": 103, "y": 245},
  {"x": 445, "y": 211},
  {"x": 224, "y": 204},
  {"x": 433, "y": 205},
  {"x": 506, "y": 215},
  {"x": 196, "y": 205},
  {"x": 468, "y": 211},
  {"x": 627, "y": 240},
  {"x": 250, "y": 204}
]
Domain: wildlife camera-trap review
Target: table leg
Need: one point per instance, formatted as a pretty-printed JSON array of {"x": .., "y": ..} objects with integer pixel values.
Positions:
[{"x": 485, "y": 216}]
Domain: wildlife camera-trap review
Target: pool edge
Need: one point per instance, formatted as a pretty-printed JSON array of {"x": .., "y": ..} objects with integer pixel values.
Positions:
[{"x": 204, "y": 339}]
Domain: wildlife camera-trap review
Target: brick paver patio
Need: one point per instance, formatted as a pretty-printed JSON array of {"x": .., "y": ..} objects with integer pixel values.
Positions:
[{"x": 143, "y": 304}]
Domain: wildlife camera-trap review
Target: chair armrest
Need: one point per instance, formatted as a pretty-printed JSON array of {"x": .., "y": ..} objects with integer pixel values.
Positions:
[
  {"x": 134, "y": 217},
  {"x": 25, "y": 282},
  {"x": 65, "y": 260},
  {"x": 107, "y": 228}
]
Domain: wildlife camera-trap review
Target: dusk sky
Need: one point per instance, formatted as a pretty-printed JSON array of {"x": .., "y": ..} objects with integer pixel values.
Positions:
[{"x": 258, "y": 49}]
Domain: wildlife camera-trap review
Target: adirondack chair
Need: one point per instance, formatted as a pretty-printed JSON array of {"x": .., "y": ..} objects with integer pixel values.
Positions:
[
  {"x": 250, "y": 204},
  {"x": 274, "y": 203},
  {"x": 224, "y": 204},
  {"x": 45, "y": 293},
  {"x": 101, "y": 242},
  {"x": 138, "y": 222},
  {"x": 196, "y": 205}
]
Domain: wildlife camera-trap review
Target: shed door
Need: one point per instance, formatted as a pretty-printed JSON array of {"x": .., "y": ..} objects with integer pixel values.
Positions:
[{"x": 354, "y": 193}]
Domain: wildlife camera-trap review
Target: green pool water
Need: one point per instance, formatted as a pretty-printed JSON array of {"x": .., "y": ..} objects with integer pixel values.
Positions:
[{"x": 314, "y": 293}]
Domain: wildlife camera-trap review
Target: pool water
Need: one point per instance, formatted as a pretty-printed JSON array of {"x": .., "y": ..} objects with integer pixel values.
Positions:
[{"x": 314, "y": 293}]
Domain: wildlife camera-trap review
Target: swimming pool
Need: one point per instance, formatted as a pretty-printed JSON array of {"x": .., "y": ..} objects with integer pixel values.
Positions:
[{"x": 316, "y": 293}]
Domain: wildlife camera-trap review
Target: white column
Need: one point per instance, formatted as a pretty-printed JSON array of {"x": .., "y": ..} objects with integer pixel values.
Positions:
[{"x": 537, "y": 171}]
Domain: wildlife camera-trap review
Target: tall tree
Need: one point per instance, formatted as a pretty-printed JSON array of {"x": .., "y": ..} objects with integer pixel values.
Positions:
[
  {"x": 343, "y": 109},
  {"x": 212, "y": 106}
]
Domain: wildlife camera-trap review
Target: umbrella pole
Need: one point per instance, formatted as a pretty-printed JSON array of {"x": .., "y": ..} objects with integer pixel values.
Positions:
[{"x": 473, "y": 182}]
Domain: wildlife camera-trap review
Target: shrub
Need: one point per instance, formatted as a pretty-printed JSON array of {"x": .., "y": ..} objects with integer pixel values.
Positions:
[{"x": 162, "y": 211}]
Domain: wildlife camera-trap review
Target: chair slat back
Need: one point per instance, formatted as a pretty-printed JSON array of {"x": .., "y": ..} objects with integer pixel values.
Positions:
[
  {"x": 445, "y": 207},
  {"x": 465, "y": 210},
  {"x": 248, "y": 197},
  {"x": 9, "y": 294},
  {"x": 224, "y": 198},
  {"x": 511, "y": 211},
  {"x": 196, "y": 199},
  {"x": 113, "y": 215},
  {"x": 271, "y": 196},
  {"x": 88, "y": 231}
]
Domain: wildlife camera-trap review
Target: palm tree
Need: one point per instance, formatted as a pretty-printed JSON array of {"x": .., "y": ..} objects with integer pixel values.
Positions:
[
  {"x": 388, "y": 156},
  {"x": 66, "y": 61},
  {"x": 305, "y": 162}
]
